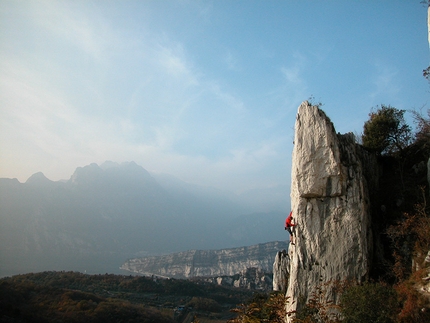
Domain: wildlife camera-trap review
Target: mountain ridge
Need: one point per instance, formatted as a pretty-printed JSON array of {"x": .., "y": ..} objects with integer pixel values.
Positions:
[{"x": 109, "y": 213}]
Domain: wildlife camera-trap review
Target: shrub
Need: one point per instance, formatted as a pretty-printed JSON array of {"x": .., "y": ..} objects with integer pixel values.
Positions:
[
  {"x": 262, "y": 308},
  {"x": 410, "y": 239},
  {"x": 414, "y": 307},
  {"x": 369, "y": 302},
  {"x": 204, "y": 304},
  {"x": 319, "y": 308}
]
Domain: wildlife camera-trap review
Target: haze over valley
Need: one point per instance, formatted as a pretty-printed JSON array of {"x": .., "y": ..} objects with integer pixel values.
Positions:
[{"x": 105, "y": 214}]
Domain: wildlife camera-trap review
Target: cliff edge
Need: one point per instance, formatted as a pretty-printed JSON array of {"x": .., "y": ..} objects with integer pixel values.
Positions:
[{"x": 330, "y": 203}]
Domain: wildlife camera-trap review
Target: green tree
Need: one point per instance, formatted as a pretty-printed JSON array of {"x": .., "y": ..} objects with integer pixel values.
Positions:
[{"x": 386, "y": 132}]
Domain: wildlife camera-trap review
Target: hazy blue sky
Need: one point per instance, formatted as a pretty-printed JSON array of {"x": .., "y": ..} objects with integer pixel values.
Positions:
[{"x": 204, "y": 90}]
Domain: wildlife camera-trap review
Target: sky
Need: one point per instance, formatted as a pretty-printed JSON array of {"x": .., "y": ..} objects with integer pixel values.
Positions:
[{"x": 206, "y": 91}]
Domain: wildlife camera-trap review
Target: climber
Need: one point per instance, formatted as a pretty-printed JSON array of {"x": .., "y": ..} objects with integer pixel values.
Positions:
[{"x": 289, "y": 225}]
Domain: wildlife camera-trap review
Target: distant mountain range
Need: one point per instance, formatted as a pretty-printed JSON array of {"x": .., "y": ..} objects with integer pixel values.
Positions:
[{"x": 106, "y": 214}]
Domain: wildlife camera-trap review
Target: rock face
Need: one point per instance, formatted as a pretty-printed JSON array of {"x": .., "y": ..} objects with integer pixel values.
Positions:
[
  {"x": 250, "y": 278},
  {"x": 196, "y": 263},
  {"x": 281, "y": 273},
  {"x": 330, "y": 203}
]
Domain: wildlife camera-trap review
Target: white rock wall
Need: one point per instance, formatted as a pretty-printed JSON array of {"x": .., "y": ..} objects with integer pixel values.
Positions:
[
  {"x": 198, "y": 263},
  {"x": 329, "y": 200}
]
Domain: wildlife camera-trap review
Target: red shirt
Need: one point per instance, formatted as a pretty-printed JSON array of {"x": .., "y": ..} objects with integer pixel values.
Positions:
[{"x": 288, "y": 220}]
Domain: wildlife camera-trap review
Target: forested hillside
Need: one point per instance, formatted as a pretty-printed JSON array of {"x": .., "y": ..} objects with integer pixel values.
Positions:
[{"x": 76, "y": 297}]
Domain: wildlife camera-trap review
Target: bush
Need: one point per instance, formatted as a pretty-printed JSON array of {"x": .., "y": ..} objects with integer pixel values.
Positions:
[
  {"x": 319, "y": 308},
  {"x": 204, "y": 304},
  {"x": 414, "y": 306},
  {"x": 262, "y": 308},
  {"x": 369, "y": 302},
  {"x": 410, "y": 239}
]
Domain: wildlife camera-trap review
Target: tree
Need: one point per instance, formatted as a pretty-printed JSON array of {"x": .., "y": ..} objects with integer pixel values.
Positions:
[{"x": 386, "y": 131}]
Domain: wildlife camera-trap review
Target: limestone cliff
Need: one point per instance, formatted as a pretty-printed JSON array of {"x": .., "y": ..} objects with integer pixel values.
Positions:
[
  {"x": 330, "y": 203},
  {"x": 195, "y": 263},
  {"x": 250, "y": 278}
]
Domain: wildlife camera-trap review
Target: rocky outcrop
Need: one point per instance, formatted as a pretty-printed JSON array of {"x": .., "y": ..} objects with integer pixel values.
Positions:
[
  {"x": 196, "y": 263},
  {"x": 281, "y": 268},
  {"x": 330, "y": 202},
  {"x": 250, "y": 278}
]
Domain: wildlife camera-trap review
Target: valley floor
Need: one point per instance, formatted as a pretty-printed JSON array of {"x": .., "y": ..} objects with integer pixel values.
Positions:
[{"x": 76, "y": 297}]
